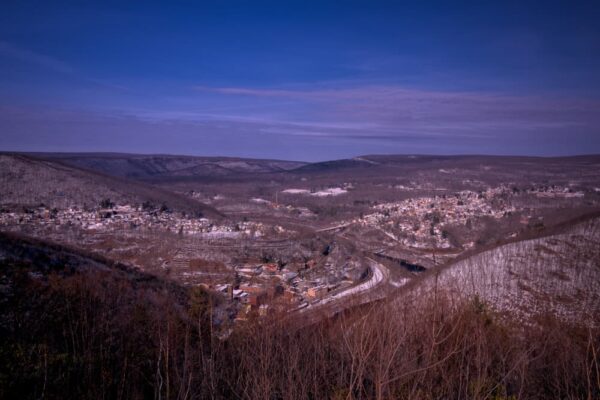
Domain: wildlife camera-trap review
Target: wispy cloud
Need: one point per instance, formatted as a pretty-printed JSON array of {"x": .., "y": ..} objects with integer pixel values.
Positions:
[
  {"x": 386, "y": 111},
  {"x": 359, "y": 119},
  {"x": 197, "y": 133},
  {"x": 11, "y": 51}
]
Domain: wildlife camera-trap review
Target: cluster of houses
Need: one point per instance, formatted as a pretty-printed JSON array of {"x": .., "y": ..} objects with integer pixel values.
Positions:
[
  {"x": 127, "y": 217},
  {"x": 420, "y": 222},
  {"x": 554, "y": 191},
  {"x": 263, "y": 287}
]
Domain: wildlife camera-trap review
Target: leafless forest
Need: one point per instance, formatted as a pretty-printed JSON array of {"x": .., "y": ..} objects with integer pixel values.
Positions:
[{"x": 106, "y": 332}]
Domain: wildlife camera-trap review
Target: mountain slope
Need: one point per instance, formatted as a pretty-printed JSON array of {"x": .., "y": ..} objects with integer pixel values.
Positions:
[
  {"x": 557, "y": 274},
  {"x": 29, "y": 181}
]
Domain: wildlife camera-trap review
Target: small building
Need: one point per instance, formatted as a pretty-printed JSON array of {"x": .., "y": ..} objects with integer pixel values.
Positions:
[
  {"x": 316, "y": 292},
  {"x": 271, "y": 267},
  {"x": 256, "y": 299}
]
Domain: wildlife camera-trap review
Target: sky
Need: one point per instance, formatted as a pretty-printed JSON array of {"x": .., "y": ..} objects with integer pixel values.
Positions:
[{"x": 300, "y": 80}]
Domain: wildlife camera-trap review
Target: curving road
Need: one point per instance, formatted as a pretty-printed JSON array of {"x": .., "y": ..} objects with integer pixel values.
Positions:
[{"x": 355, "y": 295}]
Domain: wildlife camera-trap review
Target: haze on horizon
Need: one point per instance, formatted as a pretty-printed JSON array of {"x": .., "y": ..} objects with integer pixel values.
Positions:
[{"x": 300, "y": 81}]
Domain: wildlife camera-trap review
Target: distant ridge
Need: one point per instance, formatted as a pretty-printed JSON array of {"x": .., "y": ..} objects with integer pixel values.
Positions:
[
  {"x": 156, "y": 166},
  {"x": 167, "y": 168}
]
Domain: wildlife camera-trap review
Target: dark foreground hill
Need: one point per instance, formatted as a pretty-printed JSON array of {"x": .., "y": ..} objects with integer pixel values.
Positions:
[
  {"x": 75, "y": 326},
  {"x": 30, "y": 181}
]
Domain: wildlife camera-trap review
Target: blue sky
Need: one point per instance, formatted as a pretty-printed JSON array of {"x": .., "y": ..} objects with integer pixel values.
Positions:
[{"x": 300, "y": 80}]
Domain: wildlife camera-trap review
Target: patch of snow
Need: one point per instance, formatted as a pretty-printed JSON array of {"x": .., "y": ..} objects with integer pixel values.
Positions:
[
  {"x": 220, "y": 235},
  {"x": 330, "y": 192},
  {"x": 95, "y": 226},
  {"x": 321, "y": 193},
  {"x": 295, "y": 191},
  {"x": 365, "y": 160},
  {"x": 400, "y": 282}
]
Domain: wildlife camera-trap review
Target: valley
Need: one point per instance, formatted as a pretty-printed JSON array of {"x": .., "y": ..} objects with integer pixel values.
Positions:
[{"x": 271, "y": 235}]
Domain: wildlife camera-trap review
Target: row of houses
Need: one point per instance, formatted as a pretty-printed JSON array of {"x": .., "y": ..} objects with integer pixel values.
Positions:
[{"x": 124, "y": 217}]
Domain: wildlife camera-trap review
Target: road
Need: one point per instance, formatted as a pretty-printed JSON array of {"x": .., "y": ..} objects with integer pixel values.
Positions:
[{"x": 356, "y": 295}]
